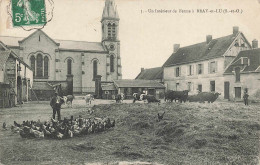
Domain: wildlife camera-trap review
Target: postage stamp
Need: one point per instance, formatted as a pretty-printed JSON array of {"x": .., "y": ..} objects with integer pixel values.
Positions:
[{"x": 28, "y": 12}]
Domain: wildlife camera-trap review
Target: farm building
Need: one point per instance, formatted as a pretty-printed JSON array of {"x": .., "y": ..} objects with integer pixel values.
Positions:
[
  {"x": 243, "y": 74},
  {"x": 207, "y": 66},
  {"x": 16, "y": 78},
  {"x": 129, "y": 87},
  {"x": 151, "y": 74}
]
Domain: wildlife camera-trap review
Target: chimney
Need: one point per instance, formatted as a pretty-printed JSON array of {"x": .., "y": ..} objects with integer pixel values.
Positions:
[
  {"x": 254, "y": 44},
  {"x": 176, "y": 47},
  {"x": 235, "y": 29},
  {"x": 142, "y": 69},
  {"x": 208, "y": 38}
]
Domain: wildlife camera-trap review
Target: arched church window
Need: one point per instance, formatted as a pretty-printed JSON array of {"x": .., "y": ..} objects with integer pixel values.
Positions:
[
  {"x": 69, "y": 65},
  {"x": 39, "y": 66},
  {"x": 112, "y": 69},
  {"x": 46, "y": 66},
  {"x": 114, "y": 31},
  {"x": 94, "y": 69},
  {"x": 32, "y": 61},
  {"x": 109, "y": 31}
]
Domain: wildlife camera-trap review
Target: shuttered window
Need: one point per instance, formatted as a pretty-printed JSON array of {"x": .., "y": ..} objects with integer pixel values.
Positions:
[
  {"x": 200, "y": 69},
  {"x": 213, "y": 67}
]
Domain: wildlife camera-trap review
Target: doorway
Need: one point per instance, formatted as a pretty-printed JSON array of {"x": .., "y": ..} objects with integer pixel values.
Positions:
[
  {"x": 226, "y": 90},
  {"x": 238, "y": 92}
]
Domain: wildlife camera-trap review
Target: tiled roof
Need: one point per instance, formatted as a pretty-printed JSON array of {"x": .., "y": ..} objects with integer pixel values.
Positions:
[
  {"x": 37, "y": 85},
  {"x": 10, "y": 41},
  {"x": 138, "y": 83},
  {"x": 64, "y": 44},
  {"x": 254, "y": 61},
  {"x": 109, "y": 87},
  {"x": 201, "y": 51},
  {"x": 3, "y": 58},
  {"x": 151, "y": 74}
]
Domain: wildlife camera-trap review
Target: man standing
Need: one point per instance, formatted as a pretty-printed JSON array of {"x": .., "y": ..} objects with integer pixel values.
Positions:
[
  {"x": 245, "y": 98},
  {"x": 55, "y": 103}
]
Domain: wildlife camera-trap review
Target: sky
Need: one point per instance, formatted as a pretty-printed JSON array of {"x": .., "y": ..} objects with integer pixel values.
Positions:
[{"x": 146, "y": 38}]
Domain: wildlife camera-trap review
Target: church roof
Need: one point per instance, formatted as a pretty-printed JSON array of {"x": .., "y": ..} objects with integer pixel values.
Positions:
[
  {"x": 138, "y": 84},
  {"x": 110, "y": 10},
  {"x": 80, "y": 45},
  {"x": 252, "y": 65},
  {"x": 64, "y": 44},
  {"x": 202, "y": 51},
  {"x": 151, "y": 74}
]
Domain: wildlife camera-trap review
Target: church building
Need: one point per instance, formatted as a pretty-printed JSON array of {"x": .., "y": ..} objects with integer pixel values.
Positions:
[{"x": 55, "y": 60}]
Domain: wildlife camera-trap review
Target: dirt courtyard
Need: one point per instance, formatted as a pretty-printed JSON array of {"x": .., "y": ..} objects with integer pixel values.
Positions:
[{"x": 190, "y": 133}]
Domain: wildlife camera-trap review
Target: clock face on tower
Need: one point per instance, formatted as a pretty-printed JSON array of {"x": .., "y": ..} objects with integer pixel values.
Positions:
[{"x": 111, "y": 47}]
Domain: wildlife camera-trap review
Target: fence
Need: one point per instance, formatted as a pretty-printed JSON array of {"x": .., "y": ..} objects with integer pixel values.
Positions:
[{"x": 83, "y": 90}]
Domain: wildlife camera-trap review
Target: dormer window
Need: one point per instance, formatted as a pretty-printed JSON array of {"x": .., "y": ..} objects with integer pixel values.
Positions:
[{"x": 245, "y": 60}]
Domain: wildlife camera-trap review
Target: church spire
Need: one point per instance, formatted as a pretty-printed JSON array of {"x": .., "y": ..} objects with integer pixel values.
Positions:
[{"x": 110, "y": 11}]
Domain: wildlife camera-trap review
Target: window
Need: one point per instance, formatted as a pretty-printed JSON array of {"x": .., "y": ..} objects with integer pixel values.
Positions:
[
  {"x": 69, "y": 69},
  {"x": 39, "y": 66},
  {"x": 237, "y": 74},
  {"x": 199, "y": 88},
  {"x": 177, "y": 72},
  {"x": 200, "y": 69},
  {"x": 113, "y": 31},
  {"x": 46, "y": 66},
  {"x": 190, "y": 70},
  {"x": 213, "y": 67},
  {"x": 236, "y": 44},
  {"x": 189, "y": 86},
  {"x": 212, "y": 86},
  {"x": 109, "y": 31},
  {"x": 32, "y": 59},
  {"x": 112, "y": 69},
  {"x": 94, "y": 69},
  {"x": 177, "y": 86}
]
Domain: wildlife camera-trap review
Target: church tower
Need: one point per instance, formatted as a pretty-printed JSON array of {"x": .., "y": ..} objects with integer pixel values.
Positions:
[{"x": 110, "y": 26}]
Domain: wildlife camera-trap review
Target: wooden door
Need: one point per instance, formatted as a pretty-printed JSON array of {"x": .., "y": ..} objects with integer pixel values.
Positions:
[
  {"x": 238, "y": 92},
  {"x": 226, "y": 90}
]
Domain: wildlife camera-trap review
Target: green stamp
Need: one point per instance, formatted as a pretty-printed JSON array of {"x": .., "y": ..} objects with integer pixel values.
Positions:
[{"x": 28, "y": 12}]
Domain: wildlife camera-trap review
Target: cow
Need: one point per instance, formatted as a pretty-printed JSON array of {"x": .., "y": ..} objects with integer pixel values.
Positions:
[
  {"x": 119, "y": 98},
  {"x": 193, "y": 98},
  {"x": 138, "y": 97},
  {"x": 176, "y": 95},
  {"x": 68, "y": 99},
  {"x": 89, "y": 98},
  {"x": 151, "y": 98},
  {"x": 210, "y": 97}
]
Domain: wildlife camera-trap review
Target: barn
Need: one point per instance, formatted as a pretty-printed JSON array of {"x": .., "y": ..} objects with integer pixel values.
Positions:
[
  {"x": 16, "y": 78},
  {"x": 129, "y": 87}
]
